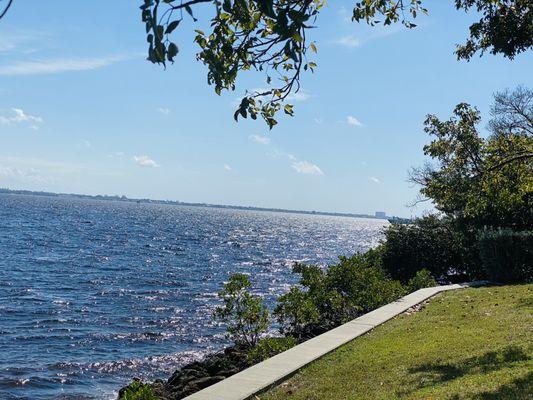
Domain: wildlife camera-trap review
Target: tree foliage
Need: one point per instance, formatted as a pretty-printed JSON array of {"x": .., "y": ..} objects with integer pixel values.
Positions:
[
  {"x": 430, "y": 243},
  {"x": 483, "y": 182},
  {"x": 271, "y": 36},
  {"x": 505, "y": 27},
  {"x": 507, "y": 255},
  {"x": 244, "y": 314},
  {"x": 327, "y": 298}
]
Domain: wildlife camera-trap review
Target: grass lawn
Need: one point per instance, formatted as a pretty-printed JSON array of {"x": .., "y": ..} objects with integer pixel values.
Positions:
[{"x": 464, "y": 344}]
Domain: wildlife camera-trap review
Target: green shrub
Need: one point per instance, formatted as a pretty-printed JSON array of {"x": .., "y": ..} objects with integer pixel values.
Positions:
[
  {"x": 269, "y": 347},
  {"x": 422, "y": 279},
  {"x": 137, "y": 391},
  {"x": 297, "y": 313},
  {"x": 327, "y": 298},
  {"x": 507, "y": 255},
  {"x": 244, "y": 314},
  {"x": 430, "y": 243}
]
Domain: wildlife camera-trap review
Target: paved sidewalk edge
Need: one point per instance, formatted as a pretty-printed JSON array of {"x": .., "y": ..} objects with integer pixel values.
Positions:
[{"x": 272, "y": 371}]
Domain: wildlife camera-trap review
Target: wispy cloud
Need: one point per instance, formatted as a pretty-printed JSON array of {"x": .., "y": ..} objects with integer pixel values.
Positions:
[
  {"x": 117, "y": 154},
  {"x": 31, "y": 163},
  {"x": 300, "y": 166},
  {"x": 260, "y": 139},
  {"x": 353, "y": 121},
  {"x": 163, "y": 110},
  {"x": 145, "y": 161},
  {"x": 305, "y": 167},
  {"x": 24, "y": 175},
  {"x": 299, "y": 96},
  {"x": 367, "y": 35},
  {"x": 374, "y": 179},
  {"x": 349, "y": 41},
  {"x": 30, "y": 171},
  {"x": 227, "y": 167},
  {"x": 22, "y": 42},
  {"x": 53, "y": 66},
  {"x": 17, "y": 116}
]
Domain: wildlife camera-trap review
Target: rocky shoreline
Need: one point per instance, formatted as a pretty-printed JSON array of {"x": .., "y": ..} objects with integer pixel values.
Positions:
[{"x": 193, "y": 376}]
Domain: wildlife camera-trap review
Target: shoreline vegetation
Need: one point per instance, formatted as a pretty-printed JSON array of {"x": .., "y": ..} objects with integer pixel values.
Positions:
[
  {"x": 300, "y": 315},
  {"x": 481, "y": 188}
]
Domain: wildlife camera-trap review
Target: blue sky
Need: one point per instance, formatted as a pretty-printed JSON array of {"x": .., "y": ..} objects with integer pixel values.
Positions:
[{"x": 82, "y": 111}]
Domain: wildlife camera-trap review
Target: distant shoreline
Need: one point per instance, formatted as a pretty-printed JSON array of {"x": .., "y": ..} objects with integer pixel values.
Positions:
[{"x": 180, "y": 203}]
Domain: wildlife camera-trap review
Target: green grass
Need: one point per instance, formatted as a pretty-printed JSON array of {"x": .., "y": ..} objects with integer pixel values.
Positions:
[{"x": 465, "y": 344}]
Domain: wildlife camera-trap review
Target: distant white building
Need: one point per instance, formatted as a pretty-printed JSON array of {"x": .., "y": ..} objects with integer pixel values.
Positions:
[{"x": 381, "y": 214}]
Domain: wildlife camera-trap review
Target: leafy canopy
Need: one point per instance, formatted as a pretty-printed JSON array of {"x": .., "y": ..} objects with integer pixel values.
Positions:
[
  {"x": 485, "y": 182},
  {"x": 244, "y": 313},
  {"x": 326, "y": 298},
  {"x": 271, "y": 36}
]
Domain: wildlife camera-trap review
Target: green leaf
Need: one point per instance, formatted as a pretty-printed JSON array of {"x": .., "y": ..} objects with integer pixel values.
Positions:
[
  {"x": 189, "y": 11},
  {"x": 172, "y": 50},
  {"x": 288, "y": 109},
  {"x": 173, "y": 25}
]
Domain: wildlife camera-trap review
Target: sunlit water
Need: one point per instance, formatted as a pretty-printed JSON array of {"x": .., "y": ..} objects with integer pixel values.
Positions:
[{"x": 94, "y": 293}]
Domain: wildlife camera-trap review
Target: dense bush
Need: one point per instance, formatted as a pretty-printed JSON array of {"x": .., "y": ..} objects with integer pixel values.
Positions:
[
  {"x": 422, "y": 279},
  {"x": 137, "y": 391},
  {"x": 430, "y": 243},
  {"x": 330, "y": 297},
  {"x": 244, "y": 314},
  {"x": 506, "y": 255},
  {"x": 269, "y": 347}
]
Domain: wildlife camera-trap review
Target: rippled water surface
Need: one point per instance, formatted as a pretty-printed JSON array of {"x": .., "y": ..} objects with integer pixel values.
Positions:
[{"x": 96, "y": 292}]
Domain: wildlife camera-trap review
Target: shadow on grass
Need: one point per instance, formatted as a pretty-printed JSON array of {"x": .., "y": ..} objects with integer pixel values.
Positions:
[
  {"x": 519, "y": 389},
  {"x": 431, "y": 374}
]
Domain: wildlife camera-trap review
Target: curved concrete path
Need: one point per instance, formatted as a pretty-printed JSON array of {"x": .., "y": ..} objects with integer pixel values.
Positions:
[{"x": 261, "y": 376}]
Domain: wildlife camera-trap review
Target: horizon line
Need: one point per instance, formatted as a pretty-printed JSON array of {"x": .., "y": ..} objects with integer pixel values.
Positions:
[{"x": 124, "y": 198}]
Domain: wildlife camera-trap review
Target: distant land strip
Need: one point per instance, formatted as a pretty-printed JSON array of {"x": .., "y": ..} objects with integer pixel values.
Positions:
[{"x": 181, "y": 203}]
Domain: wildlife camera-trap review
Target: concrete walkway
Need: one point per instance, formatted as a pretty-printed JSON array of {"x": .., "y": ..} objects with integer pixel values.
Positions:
[{"x": 261, "y": 376}]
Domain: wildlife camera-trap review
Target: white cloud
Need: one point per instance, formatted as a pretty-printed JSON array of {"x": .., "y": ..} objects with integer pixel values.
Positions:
[
  {"x": 353, "y": 121},
  {"x": 227, "y": 167},
  {"x": 145, "y": 161},
  {"x": 57, "y": 65},
  {"x": 260, "y": 139},
  {"x": 17, "y": 116},
  {"x": 302, "y": 167},
  {"x": 367, "y": 34},
  {"x": 24, "y": 175},
  {"x": 39, "y": 163},
  {"x": 291, "y": 157},
  {"x": 117, "y": 154},
  {"x": 305, "y": 167},
  {"x": 164, "y": 110},
  {"x": 374, "y": 179},
  {"x": 349, "y": 41},
  {"x": 299, "y": 96},
  {"x": 23, "y": 41}
]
